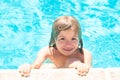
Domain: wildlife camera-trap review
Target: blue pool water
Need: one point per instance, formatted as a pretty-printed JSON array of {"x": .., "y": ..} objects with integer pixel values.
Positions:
[{"x": 25, "y": 27}]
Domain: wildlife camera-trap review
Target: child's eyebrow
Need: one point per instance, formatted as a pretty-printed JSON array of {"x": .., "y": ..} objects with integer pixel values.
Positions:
[{"x": 60, "y": 36}]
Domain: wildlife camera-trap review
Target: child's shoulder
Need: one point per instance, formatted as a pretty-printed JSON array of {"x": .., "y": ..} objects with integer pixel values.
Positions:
[
  {"x": 46, "y": 49},
  {"x": 87, "y": 52}
]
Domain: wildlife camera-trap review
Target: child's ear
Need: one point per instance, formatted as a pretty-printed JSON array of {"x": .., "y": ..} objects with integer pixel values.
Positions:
[{"x": 79, "y": 45}]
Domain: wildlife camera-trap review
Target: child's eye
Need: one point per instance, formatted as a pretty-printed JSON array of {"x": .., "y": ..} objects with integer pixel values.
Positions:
[
  {"x": 62, "y": 38},
  {"x": 74, "y": 38}
]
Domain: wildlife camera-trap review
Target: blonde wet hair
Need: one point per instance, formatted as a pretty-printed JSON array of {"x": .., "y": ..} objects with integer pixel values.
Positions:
[{"x": 64, "y": 23}]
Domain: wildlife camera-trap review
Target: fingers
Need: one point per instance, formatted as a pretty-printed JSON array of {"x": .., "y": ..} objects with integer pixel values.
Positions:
[
  {"x": 82, "y": 69},
  {"x": 24, "y": 70},
  {"x": 82, "y": 73}
]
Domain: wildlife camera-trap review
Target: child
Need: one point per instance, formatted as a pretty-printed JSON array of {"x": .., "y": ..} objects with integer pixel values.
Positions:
[{"x": 65, "y": 49}]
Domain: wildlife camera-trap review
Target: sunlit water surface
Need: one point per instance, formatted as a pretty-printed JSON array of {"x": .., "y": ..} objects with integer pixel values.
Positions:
[{"x": 25, "y": 27}]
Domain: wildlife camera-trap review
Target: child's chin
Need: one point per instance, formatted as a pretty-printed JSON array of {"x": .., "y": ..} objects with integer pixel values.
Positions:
[{"x": 68, "y": 54}]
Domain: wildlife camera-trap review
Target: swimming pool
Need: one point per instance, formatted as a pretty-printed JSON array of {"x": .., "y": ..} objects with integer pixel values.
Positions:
[{"x": 25, "y": 27}]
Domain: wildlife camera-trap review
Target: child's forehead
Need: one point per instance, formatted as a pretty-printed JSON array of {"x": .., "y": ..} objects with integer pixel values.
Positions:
[{"x": 67, "y": 32}]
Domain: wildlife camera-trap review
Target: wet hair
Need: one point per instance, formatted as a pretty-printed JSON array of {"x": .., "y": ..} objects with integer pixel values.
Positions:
[{"x": 64, "y": 23}]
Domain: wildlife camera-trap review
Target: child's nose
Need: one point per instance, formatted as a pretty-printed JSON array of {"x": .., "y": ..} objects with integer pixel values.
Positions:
[{"x": 68, "y": 42}]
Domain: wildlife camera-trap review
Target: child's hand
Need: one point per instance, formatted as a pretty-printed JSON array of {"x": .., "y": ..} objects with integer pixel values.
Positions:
[
  {"x": 24, "y": 70},
  {"x": 82, "y": 69}
]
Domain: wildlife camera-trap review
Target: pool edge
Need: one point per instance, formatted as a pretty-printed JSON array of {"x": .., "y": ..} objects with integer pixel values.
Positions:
[{"x": 62, "y": 74}]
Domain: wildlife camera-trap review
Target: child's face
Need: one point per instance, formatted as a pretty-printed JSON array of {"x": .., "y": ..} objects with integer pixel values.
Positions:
[{"x": 67, "y": 42}]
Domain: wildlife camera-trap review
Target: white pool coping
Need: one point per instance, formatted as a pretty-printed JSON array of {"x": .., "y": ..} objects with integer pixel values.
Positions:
[{"x": 62, "y": 74}]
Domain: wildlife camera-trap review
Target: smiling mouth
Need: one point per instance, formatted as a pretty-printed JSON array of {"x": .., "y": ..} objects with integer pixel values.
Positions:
[{"x": 68, "y": 49}]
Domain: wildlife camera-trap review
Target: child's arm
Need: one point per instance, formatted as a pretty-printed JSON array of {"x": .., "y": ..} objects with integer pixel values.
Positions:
[
  {"x": 83, "y": 68},
  {"x": 87, "y": 58},
  {"x": 42, "y": 55},
  {"x": 25, "y": 69}
]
